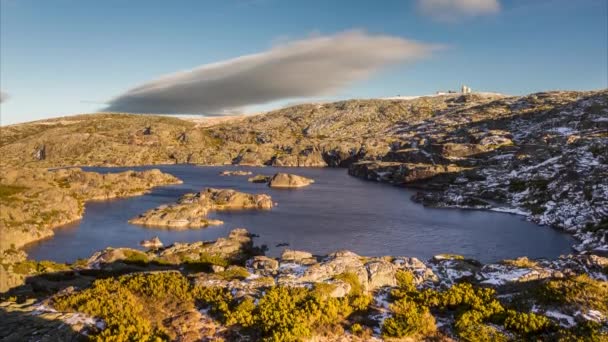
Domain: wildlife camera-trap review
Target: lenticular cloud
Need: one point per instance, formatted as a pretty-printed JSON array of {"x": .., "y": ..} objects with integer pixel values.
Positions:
[{"x": 317, "y": 66}]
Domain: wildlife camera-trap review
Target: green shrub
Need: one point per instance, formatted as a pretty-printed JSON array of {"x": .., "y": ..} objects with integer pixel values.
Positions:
[
  {"x": 353, "y": 280},
  {"x": 290, "y": 314},
  {"x": 234, "y": 272},
  {"x": 135, "y": 258},
  {"x": 132, "y": 306},
  {"x": 218, "y": 299},
  {"x": 204, "y": 262},
  {"x": 526, "y": 323},
  {"x": 36, "y": 267},
  {"x": 478, "y": 332},
  {"x": 405, "y": 285},
  {"x": 409, "y": 319},
  {"x": 587, "y": 331},
  {"x": 242, "y": 314},
  {"x": 580, "y": 291},
  {"x": 522, "y": 262},
  {"x": 357, "y": 299}
]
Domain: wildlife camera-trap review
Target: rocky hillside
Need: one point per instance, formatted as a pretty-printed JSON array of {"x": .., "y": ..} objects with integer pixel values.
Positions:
[
  {"x": 228, "y": 290},
  {"x": 543, "y": 155},
  {"x": 305, "y": 135}
]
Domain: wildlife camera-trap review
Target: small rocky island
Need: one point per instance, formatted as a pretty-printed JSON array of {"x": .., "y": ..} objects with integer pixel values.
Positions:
[
  {"x": 235, "y": 173},
  {"x": 191, "y": 210},
  {"x": 288, "y": 181}
]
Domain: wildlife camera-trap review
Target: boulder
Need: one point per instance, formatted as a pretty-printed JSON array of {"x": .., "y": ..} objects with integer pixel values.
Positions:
[
  {"x": 264, "y": 263},
  {"x": 152, "y": 243},
  {"x": 259, "y": 179},
  {"x": 287, "y": 180},
  {"x": 341, "y": 289},
  {"x": 217, "y": 268},
  {"x": 336, "y": 264},
  {"x": 380, "y": 273},
  {"x": 299, "y": 257}
]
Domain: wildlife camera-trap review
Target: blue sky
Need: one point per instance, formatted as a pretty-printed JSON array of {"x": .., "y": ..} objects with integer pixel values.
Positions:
[{"x": 64, "y": 57}]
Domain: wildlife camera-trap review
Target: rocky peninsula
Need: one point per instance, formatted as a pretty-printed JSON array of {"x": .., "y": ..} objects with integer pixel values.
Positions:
[
  {"x": 191, "y": 210},
  {"x": 33, "y": 201},
  {"x": 228, "y": 289}
]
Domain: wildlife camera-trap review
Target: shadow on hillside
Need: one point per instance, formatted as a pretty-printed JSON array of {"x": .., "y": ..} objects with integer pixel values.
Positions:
[{"x": 20, "y": 326}]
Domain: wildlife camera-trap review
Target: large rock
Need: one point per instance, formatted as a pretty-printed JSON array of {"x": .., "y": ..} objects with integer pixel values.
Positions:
[
  {"x": 236, "y": 246},
  {"x": 299, "y": 257},
  {"x": 380, "y": 273},
  {"x": 287, "y": 180},
  {"x": 336, "y": 264},
  {"x": 264, "y": 263}
]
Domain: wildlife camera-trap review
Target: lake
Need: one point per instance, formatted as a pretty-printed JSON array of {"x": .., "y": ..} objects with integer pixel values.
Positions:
[{"x": 336, "y": 212}]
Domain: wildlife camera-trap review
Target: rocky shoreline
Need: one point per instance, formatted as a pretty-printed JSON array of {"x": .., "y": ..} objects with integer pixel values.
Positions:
[{"x": 235, "y": 267}]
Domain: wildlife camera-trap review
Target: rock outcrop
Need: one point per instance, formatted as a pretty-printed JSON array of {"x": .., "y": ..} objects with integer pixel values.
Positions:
[
  {"x": 191, "y": 210},
  {"x": 288, "y": 181}
]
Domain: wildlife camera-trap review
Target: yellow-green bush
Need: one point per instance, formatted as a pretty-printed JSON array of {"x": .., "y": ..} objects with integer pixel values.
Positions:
[
  {"x": 234, "y": 272},
  {"x": 526, "y": 323},
  {"x": 581, "y": 291},
  {"x": 35, "y": 267},
  {"x": 289, "y": 314},
  {"x": 132, "y": 306},
  {"x": 409, "y": 319},
  {"x": 135, "y": 257}
]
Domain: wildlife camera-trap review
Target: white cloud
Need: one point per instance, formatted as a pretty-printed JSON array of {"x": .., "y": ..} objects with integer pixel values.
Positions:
[
  {"x": 449, "y": 10},
  {"x": 3, "y": 97},
  {"x": 317, "y": 66}
]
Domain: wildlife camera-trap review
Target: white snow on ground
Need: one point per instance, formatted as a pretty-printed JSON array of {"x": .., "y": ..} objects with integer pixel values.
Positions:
[
  {"x": 515, "y": 211},
  {"x": 502, "y": 276},
  {"x": 80, "y": 318},
  {"x": 592, "y": 315},
  {"x": 563, "y": 130},
  {"x": 70, "y": 318},
  {"x": 382, "y": 304},
  {"x": 292, "y": 268},
  {"x": 563, "y": 319}
]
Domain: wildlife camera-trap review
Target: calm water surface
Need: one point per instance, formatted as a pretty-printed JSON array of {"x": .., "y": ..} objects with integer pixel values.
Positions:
[{"x": 336, "y": 212}]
